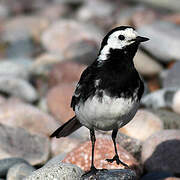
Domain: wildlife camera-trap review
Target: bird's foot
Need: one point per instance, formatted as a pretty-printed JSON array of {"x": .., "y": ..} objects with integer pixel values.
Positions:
[
  {"x": 118, "y": 161},
  {"x": 92, "y": 171}
]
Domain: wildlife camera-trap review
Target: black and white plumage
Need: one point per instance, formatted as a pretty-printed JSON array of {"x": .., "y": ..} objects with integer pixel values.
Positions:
[{"x": 108, "y": 93}]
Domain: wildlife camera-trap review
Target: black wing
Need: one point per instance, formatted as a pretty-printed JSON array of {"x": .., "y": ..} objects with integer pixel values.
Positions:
[{"x": 85, "y": 87}]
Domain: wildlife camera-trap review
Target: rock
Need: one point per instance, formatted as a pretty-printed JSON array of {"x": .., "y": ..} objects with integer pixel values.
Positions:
[
  {"x": 114, "y": 174},
  {"x": 44, "y": 63},
  {"x": 19, "y": 27},
  {"x": 18, "y": 87},
  {"x": 56, "y": 37},
  {"x": 59, "y": 100},
  {"x": 132, "y": 145},
  {"x": 159, "y": 32},
  {"x": 158, "y": 147},
  {"x": 176, "y": 102},
  {"x": 160, "y": 98},
  {"x": 55, "y": 159},
  {"x": 174, "y": 18},
  {"x": 170, "y": 119},
  {"x": 60, "y": 73},
  {"x": 146, "y": 65},
  {"x": 2, "y": 100},
  {"x": 17, "y": 142},
  {"x": 7, "y": 163},
  {"x": 54, "y": 11},
  {"x": 13, "y": 69},
  {"x": 156, "y": 175},
  {"x": 89, "y": 12},
  {"x": 84, "y": 51},
  {"x": 171, "y": 78},
  {"x": 143, "y": 125},
  {"x": 63, "y": 145},
  {"x": 81, "y": 156},
  {"x": 4, "y": 11},
  {"x": 57, "y": 171},
  {"x": 19, "y": 171},
  {"x": 23, "y": 115},
  {"x": 172, "y": 178},
  {"x": 173, "y": 5}
]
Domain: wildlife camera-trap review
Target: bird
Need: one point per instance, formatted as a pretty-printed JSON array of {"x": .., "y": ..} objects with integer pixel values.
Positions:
[{"x": 108, "y": 93}]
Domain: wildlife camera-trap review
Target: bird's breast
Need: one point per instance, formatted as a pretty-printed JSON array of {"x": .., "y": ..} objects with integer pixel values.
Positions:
[{"x": 104, "y": 112}]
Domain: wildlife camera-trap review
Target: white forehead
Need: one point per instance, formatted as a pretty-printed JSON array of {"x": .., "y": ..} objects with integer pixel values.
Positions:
[{"x": 128, "y": 33}]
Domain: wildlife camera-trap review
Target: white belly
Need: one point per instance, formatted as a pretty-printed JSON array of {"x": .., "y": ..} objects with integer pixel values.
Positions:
[{"x": 107, "y": 113}]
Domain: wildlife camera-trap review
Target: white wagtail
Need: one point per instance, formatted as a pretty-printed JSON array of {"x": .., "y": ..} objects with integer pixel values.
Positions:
[{"x": 108, "y": 93}]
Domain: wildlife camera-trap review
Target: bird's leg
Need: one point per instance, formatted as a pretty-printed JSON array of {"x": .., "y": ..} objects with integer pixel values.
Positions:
[
  {"x": 116, "y": 157},
  {"x": 93, "y": 140},
  {"x": 93, "y": 170}
]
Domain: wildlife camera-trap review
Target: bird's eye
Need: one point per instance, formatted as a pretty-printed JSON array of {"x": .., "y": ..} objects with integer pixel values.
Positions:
[{"x": 121, "y": 37}]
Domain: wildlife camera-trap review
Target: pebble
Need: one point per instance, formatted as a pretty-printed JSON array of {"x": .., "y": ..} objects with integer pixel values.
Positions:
[
  {"x": 171, "y": 120},
  {"x": 18, "y": 87},
  {"x": 132, "y": 145},
  {"x": 158, "y": 175},
  {"x": 17, "y": 142},
  {"x": 81, "y": 156},
  {"x": 22, "y": 27},
  {"x": 158, "y": 147},
  {"x": 16, "y": 114},
  {"x": 146, "y": 65},
  {"x": 159, "y": 99},
  {"x": 55, "y": 159},
  {"x": 59, "y": 100},
  {"x": 57, "y": 171},
  {"x": 143, "y": 125},
  {"x": 89, "y": 12},
  {"x": 158, "y": 32},
  {"x": 60, "y": 73},
  {"x": 19, "y": 171},
  {"x": 63, "y": 145},
  {"x": 84, "y": 51},
  {"x": 176, "y": 102},
  {"x": 171, "y": 78},
  {"x": 44, "y": 63},
  {"x": 173, "y": 5},
  {"x": 114, "y": 174},
  {"x": 7, "y": 163},
  {"x": 59, "y": 31},
  {"x": 13, "y": 69}
]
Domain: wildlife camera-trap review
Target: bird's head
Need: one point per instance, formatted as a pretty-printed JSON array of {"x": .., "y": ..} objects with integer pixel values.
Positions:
[{"x": 120, "y": 38}]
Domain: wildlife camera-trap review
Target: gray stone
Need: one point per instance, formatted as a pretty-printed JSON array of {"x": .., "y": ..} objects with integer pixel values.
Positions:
[
  {"x": 18, "y": 87},
  {"x": 115, "y": 174},
  {"x": 160, "y": 98},
  {"x": 170, "y": 119},
  {"x": 61, "y": 171},
  {"x": 19, "y": 171},
  {"x": 56, "y": 159},
  {"x": 7, "y": 163},
  {"x": 146, "y": 65},
  {"x": 156, "y": 175},
  {"x": 172, "y": 75},
  {"x": 160, "y": 152},
  {"x": 173, "y": 5},
  {"x": 159, "y": 32},
  {"x": 17, "y": 142},
  {"x": 132, "y": 145},
  {"x": 56, "y": 38},
  {"x": 10, "y": 68}
]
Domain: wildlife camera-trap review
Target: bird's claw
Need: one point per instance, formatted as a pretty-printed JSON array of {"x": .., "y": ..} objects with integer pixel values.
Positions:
[{"x": 118, "y": 161}]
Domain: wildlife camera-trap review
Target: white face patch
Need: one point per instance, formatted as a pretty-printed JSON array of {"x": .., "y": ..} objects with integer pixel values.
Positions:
[{"x": 115, "y": 43}]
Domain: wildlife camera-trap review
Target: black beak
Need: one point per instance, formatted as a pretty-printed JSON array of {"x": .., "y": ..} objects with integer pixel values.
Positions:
[{"x": 141, "y": 39}]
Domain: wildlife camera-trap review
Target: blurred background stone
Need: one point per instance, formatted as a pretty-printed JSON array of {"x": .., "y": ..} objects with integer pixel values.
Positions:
[
  {"x": 17, "y": 142},
  {"x": 158, "y": 147}
]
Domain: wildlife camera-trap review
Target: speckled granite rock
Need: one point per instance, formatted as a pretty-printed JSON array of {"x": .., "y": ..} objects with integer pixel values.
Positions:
[
  {"x": 115, "y": 174},
  {"x": 60, "y": 171}
]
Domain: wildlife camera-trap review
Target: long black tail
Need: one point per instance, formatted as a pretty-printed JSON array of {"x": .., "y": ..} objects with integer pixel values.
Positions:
[{"x": 67, "y": 128}]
